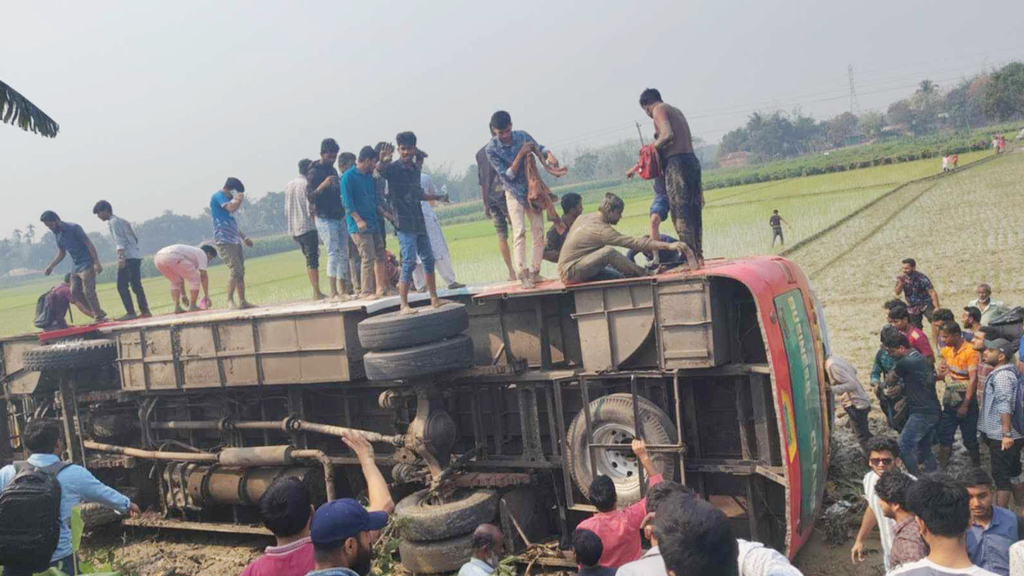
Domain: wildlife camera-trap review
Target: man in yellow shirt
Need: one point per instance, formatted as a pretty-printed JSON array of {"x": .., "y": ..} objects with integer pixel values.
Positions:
[{"x": 959, "y": 368}]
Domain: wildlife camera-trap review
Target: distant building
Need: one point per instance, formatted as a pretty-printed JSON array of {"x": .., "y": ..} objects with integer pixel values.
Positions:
[{"x": 734, "y": 159}]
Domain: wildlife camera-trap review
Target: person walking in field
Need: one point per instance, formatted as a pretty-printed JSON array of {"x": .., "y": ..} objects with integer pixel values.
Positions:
[
  {"x": 495, "y": 207},
  {"x": 406, "y": 194},
  {"x": 129, "y": 261},
  {"x": 229, "y": 239},
  {"x": 181, "y": 263},
  {"x": 301, "y": 226},
  {"x": 922, "y": 300},
  {"x": 674, "y": 143},
  {"x": 71, "y": 238},
  {"x": 776, "y": 221},
  {"x": 507, "y": 153},
  {"x": 442, "y": 257}
]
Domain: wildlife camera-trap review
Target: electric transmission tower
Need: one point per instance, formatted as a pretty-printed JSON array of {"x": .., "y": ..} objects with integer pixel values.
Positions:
[{"x": 854, "y": 105}]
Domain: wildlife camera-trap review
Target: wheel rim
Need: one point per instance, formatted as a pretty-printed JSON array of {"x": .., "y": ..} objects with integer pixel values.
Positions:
[{"x": 622, "y": 467}]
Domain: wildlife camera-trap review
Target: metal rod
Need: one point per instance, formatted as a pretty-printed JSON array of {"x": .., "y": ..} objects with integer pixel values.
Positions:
[
  {"x": 586, "y": 418},
  {"x": 187, "y": 425},
  {"x": 325, "y": 461},
  {"x": 396, "y": 440},
  {"x": 650, "y": 448},
  {"x": 679, "y": 425},
  {"x": 151, "y": 454},
  {"x": 286, "y": 425},
  {"x": 637, "y": 431}
]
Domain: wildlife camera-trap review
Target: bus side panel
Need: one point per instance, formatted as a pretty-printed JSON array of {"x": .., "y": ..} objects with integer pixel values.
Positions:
[{"x": 802, "y": 402}]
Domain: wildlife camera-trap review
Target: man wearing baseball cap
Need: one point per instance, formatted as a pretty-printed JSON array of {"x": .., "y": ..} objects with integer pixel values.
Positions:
[
  {"x": 1003, "y": 441},
  {"x": 340, "y": 532}
]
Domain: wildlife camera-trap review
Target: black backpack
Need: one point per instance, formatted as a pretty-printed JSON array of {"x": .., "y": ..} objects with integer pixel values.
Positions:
[
  {"x": 42, "y": 312},
  {"x": 30, "y": 509}
]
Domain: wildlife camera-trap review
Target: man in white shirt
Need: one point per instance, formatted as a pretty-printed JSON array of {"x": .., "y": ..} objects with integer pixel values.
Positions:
[
  {"x": 442, "y": 257},
  {"x": 302, "y": 227},
  {"x": 488, "y": 548},
  {"x": 883, "y": 454},
  {"x": 754, "y": 558},
  {"x": 989, "y": 308}
]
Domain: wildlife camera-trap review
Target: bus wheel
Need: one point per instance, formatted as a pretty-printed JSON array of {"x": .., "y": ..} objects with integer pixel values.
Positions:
[
  {"x": 611, "y": 421},
  {"x": 423, "y": 521},
  {"x": 70, "y": 355},
  {"x": 436, "y": 557}
]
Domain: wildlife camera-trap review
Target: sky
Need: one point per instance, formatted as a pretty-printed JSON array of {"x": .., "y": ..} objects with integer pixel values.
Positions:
[{"x": 159, "y": 102}]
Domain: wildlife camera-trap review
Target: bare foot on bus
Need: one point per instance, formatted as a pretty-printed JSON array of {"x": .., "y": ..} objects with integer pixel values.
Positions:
[{"x": 407, "y": 310}]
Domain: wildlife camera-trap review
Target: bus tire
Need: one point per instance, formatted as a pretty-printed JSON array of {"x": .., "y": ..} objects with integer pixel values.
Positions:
[
  {"x": 450, "y": 354},
  {"x": 397, "y": 330},
  {"x": 70, "y": 355},
  {"x": 611, "y": 419},
  {"x": 421, "y": 522},
  {"x": 436, "y": 557}
]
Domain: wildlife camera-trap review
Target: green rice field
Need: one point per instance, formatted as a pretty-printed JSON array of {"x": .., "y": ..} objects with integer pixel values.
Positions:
[{"x": 735, "y": 224}]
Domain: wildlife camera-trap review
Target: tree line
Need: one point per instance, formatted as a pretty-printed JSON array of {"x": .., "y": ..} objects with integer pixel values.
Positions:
[{"x": 983, "y": 99}]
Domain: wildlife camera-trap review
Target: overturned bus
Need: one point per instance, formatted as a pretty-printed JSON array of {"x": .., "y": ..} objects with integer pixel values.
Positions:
[{"x": 503, "y": 405}]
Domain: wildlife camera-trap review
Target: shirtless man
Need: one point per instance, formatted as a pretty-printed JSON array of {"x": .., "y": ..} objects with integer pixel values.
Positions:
[{"x": 674, "y": 143}]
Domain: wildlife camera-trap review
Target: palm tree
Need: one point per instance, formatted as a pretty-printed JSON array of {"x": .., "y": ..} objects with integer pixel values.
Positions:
[{"x": 16, "y": 110}]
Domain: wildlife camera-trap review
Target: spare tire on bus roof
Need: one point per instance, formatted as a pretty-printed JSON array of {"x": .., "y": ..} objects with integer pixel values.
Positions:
[
  {"x": 422, "y": 521},
  {"x": 430, "y": 358},
  {"x": 70, "y": 355},
  {"x": 397, "y": 330},
  {"x": 611, "y": 420}
]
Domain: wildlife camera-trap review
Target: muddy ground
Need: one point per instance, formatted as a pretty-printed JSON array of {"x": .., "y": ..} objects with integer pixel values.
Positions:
[{"x": 852, "y": 269}]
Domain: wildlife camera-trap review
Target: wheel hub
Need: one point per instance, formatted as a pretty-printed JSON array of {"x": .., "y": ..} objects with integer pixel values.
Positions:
[{"x": 621, "y": 466}]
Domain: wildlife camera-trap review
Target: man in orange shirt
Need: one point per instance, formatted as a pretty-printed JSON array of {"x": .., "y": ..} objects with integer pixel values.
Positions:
[
  {"x": 959, "y": 368},
  {"x": 619, "y": 530}
]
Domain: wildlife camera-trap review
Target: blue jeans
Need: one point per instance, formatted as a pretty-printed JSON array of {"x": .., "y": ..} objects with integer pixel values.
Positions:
[
  {"x": 411, "y": 246},
  {"x": 916, "y": 443},
  {"x": 949, "y": 422},
  {"x": 334, "y": 233}
]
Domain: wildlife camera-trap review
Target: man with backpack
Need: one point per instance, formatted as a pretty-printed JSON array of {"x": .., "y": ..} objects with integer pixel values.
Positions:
[
  {"x": 36, "y": 499},
  {"x": 999, "y": 401}
]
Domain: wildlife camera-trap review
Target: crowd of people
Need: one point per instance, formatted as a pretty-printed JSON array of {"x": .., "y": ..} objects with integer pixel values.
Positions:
[
  {"x": 342, "y": 201},
  {"x": 929, "y": 522}
]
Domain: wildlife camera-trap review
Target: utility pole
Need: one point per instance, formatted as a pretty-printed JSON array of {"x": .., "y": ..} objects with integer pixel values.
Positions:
[
  {"x": 638, "y": 131},
  {"x": 854, "y": 105}
]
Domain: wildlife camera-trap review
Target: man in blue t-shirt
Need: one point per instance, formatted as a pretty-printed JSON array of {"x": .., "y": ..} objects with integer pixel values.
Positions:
[
  {"x": 362, "y": 216},
  {"x": 993, "y": 529},
  {"x": 71, "y": 238},
  {"x": 228, "y": 238}
]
